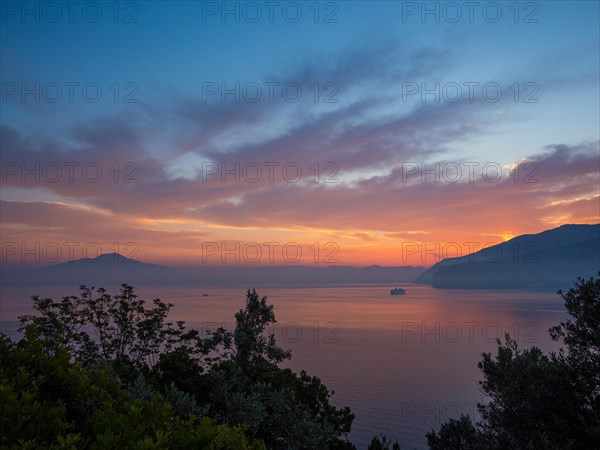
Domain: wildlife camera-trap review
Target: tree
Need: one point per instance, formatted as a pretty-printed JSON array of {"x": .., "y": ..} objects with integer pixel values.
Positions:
[
  {"x": 456, "y": 434},
  {"x": 162, "y": 370},
  {"x": 530, "y": 401},
  {"x": 119, "y": 328},
  {"x": 49, "y": 401},
  {"x": 247, "y": 345},
  {"x": 582, "y": 339},
  {"x": 383, "y": 443},
  {"x": 581, "y": 335},
  {"x": 284, "y": 409},
  {"x": 538, "y": 400}
]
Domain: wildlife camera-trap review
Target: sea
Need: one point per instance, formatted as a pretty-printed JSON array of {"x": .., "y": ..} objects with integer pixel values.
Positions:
[{"x": 403, "y": 364}]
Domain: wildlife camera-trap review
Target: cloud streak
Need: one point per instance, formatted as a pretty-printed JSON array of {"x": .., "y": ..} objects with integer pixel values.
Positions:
[{"x": 364, "y": 170}]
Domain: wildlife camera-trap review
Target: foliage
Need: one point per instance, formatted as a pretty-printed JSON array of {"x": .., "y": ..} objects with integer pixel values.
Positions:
[
  {"x": 383, "y": 443},
  {"x": 582, "y": 339},
  {"x": 539, "y": 401},
  {"x": 286, "y": 410},
  {"x": 581, "y": 334},
  {"x": 47, "y": 401},
  {"x": 247, "y": 345},
  {"x": 138, "y": 381},
  {"x": 119, "y": 328},
  {"x": 457, "y": 434}
]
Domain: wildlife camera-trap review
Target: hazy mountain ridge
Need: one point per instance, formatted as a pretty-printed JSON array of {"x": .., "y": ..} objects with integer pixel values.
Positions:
[
  {"x": 114, "y": 269},
  {"x": 102, "y": 260},
  {"x": 548, "y": 260}
]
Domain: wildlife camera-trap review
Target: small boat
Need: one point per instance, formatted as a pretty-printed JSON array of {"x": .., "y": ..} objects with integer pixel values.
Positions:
[
  {"x": 398, "y": 291},
  {"x": 204, "y": 295}
]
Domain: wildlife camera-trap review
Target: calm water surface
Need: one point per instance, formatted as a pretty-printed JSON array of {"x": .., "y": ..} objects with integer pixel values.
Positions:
[{"x": 404, "y": 364}]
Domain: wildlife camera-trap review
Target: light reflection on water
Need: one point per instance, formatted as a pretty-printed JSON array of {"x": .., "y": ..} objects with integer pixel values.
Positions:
[{"x": 404, "y": 364}]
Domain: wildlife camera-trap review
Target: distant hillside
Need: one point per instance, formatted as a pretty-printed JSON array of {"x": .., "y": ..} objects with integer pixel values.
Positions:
[
  {"x": 109, "y": 268},
  {"x": 114, "y": 269},
  {"x": 552, "y": 260},
  {"x": 106, "y": 259}
]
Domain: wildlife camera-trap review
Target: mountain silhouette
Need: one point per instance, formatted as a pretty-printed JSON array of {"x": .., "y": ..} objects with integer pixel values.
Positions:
[
  {"x": 548, "y": 260},
  {"x": 113, "y": 269},
  {"x": 106, "y": 259},
  {"x": 106, "y": 269}
]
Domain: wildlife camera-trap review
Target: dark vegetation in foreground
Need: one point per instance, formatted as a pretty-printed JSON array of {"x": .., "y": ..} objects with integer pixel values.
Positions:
[
  {"x": 539, "y": 401},
  {"x": 99, "y": 371}
]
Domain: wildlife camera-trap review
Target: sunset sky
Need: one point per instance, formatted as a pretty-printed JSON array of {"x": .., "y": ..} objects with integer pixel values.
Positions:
[{"x": 327, "y": 161}]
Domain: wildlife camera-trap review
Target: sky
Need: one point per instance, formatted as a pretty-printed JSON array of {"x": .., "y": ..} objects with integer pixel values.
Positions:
[{"x": 350, "y": 133}]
